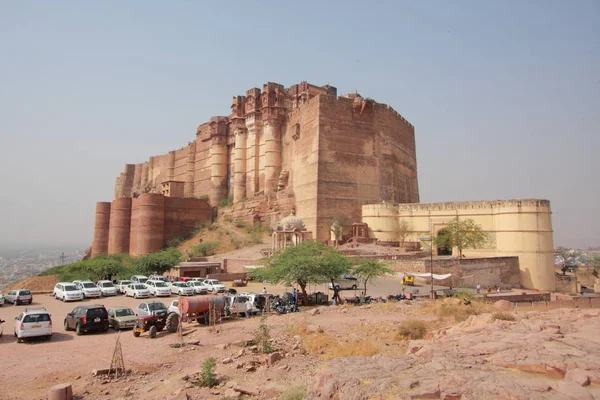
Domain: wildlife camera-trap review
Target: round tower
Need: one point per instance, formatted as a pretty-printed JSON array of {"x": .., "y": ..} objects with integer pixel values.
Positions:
[
  {"x": 101, "y": 229},
  {"x": 382, "y": 218},
  {"x": 120, "y": 224},
  {"x": 147, "y": 224}
]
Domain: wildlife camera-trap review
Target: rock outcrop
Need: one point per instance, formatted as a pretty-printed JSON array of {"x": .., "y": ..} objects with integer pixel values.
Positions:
[{"x": 543, "y": 355}]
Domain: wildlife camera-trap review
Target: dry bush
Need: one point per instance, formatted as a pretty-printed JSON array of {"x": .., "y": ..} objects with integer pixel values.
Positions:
[
  {"x": 362, "y": 348},
  {"x": 318, "y": 343},
  {"x": 459, "y": 312},
  {"x": 411, "y": 329},
  {"x": 297, "y": 327},
  {"x": 504, "y": 316},
  {"x": 293, "y": 393}
]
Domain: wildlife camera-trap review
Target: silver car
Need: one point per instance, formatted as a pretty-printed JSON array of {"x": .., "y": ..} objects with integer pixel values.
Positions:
[
  {"x": 19, "y": 296},
  {"x": 182, "y": 289},
  {"x": 151, "y": 308}
]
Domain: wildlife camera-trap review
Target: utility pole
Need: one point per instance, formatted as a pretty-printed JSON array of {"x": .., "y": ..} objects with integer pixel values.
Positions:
[{"x": 62, "y": 258}]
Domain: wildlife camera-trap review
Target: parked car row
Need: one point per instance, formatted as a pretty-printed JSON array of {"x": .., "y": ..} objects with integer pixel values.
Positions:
[{"x": 37, "y": 322}]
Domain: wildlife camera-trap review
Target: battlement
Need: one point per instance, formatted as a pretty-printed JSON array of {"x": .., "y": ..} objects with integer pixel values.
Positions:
[{"x": 481, "y": 204}]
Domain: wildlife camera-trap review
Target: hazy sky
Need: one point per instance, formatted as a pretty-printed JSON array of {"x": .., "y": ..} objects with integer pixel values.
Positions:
[{"x": 505, "y": 96}]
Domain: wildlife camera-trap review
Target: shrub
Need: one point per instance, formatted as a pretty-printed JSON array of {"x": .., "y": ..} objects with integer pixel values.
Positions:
[
  {"x": 504, "y": 316},
  {"x": 226, "y": 202},
  {"x": 208, "y": 377},
  {"x": 239, "y": 223},
  {"x": 203, "y": 249},
  {"x": 256, "y": 238},
  {"x": 262, "y": 338},
  {"x": 237, "y": 243},
  {"x": 464, "y": 293},
  {"x": 412, "y": 329},
  {"x": 199, "y": 227},
  {"x": 293, "y": 393}
]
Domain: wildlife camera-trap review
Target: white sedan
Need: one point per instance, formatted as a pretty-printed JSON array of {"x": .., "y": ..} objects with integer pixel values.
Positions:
[
  {"x": 107, "y": 288},
  {"x": 182, "y": 289},
  {"x": 198, "y": 286},
  {"x": 137, "y": 291}
]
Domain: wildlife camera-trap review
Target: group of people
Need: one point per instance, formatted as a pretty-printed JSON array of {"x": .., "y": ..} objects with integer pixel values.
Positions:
[{"x": 488, "y": 289}]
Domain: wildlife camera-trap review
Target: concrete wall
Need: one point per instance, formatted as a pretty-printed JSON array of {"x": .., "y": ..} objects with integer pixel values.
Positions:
[
  {"x": 520, "y": 228},
  {"x": 566, "y": 284}
]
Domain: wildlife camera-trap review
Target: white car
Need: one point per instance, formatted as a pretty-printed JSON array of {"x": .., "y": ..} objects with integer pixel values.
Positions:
[
  {"x": 122, "y": 285},
  {"x": 139, "y": 278},
  {"x": 214, "y": 285},
  {"x": 158, "y": 288},
  {"x": 1, "y": 300},
  {"x": 182, "y": 289},
  {"x": 107, "y": 288},
  {"x": 159, "y": 278},
  {"x": 174, "y": 307},
  {"x": 87, "y": 288},
  {"x": 33, "y": 322},
  {"x": 137, "y": 291},
  {"x": 66, "y": 291},
  {"x": 198, "y": 286}
]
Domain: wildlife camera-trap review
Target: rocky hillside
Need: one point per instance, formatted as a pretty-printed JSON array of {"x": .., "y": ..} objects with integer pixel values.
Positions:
[{"x": 531, "y": 355}]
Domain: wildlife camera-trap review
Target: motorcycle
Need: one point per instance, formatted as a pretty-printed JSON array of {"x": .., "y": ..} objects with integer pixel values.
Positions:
[{"x": 284, "y": 304}]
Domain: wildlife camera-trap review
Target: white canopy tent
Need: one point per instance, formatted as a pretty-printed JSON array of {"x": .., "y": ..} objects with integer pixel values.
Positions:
[{"x": 438, "y": 277}]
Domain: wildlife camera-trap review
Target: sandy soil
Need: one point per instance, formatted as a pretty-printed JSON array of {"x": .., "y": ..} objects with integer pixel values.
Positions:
[{"x": 29, "y": 369}]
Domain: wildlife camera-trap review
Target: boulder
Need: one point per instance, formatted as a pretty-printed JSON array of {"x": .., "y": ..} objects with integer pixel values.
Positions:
[
  {"x": 227, "y": 360},
  {"x": 273, "y": 358},
  {"x": 504, "y": 305}
]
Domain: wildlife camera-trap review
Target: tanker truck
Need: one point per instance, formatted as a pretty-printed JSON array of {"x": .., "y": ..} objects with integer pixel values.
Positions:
[{"x": 199, "y": 308}]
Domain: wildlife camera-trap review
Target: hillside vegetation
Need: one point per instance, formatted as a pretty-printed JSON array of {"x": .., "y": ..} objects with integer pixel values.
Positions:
[{"x": 205, "y": 241}]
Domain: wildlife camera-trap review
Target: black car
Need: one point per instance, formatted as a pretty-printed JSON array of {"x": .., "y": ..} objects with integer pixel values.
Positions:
[{"x": 87, "y": 318}]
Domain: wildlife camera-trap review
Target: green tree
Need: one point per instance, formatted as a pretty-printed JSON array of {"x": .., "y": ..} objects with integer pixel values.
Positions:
[
  {"x": 308, "y": 262},
  {"x": 463, "y": 234},
  {"x": 370, "y": 269},
  {"x": 158, "y": 263}
]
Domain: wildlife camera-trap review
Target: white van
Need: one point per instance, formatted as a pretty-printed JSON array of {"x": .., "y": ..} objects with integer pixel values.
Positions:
[{"x": 346, "y": 282}]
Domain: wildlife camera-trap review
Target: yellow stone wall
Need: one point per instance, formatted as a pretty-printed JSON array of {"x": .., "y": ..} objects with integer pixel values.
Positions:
[{"x": 520, "y": 228}]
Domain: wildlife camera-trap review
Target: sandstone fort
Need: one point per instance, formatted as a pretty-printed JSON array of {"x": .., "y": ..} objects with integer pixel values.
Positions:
[{"x": 304, "y": 149}]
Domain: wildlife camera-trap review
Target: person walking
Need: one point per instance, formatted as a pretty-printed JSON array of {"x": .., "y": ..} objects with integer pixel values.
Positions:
[
  {"x": 478, "y": 288},
  {"x": 295, "y": 294},
  {"x": 264, "y": 290},
  {"x": 249, "y": 307}
]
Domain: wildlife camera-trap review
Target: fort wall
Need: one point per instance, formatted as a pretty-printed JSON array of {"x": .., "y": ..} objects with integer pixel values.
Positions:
[{"x": 515, "y": 227}]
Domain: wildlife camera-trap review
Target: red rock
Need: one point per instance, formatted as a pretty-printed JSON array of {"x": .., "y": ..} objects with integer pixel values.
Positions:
[
  {"x": 579, "y": 376},
  {"x": 273, "y": 358}
]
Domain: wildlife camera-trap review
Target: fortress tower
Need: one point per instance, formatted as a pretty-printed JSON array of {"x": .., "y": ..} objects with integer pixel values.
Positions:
[{"x": 280, "y": 149}]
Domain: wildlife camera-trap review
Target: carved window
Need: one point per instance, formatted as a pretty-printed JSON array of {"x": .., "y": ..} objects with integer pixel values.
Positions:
[{"x": 296, "y": 132}]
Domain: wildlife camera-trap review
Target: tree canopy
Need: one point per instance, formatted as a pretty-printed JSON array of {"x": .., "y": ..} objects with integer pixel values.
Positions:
[
  {"x": 370, "y": 269},
  {"x": 463, "y": 234},
  {"x": 308, "y": 262}
]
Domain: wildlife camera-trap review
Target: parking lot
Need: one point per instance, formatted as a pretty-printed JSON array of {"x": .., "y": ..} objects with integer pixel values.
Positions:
[{"x": 68, "y": 356}]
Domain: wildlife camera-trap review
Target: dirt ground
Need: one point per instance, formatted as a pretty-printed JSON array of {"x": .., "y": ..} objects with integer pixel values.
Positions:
[{"x": 29, "y": 369}]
